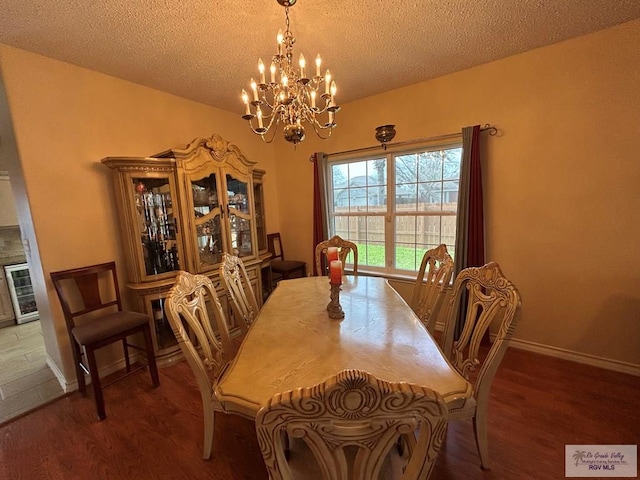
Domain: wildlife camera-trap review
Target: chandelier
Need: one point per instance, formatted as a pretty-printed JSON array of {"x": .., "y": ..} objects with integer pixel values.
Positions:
[{"x": 292, "y": 97}]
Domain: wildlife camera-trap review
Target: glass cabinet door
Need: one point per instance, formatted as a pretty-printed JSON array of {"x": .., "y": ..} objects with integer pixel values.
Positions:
[
  {"x": 208, "y": 212},
  {"x": 239, "y": 216},
  {"x": 156, "y": 224}
]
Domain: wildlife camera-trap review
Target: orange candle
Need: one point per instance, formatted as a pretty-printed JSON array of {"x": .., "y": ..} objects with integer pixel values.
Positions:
[
  {"x": 335, "y": 272},
  {"x": 332, "y": 254}
]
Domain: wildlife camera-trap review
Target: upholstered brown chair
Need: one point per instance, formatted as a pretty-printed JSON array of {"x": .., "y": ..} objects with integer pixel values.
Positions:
[
  {"x": 347, "y": 428},
  {"x": 188, "y": 306},
  {"x": 431, "y": 285},
  {"x": 490, "y": 299},
  {"x": 94, "y": 316},
  {"x": 345, "y": 247},
  {"x": 280, "y": 268}
]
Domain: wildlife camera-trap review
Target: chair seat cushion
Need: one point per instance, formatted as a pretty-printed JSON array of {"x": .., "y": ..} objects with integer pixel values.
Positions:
[
  {"x": 107, "y": 326},
  {"x": 283, "y": 266}
]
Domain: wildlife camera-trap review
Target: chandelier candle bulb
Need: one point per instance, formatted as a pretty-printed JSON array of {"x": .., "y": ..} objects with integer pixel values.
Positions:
[
  {"x": 273, "y": 72},
  {"x": 261, "y": 70},
  {"x": 334, "y": 89},
  {"x": 280, "y": 38},
  {"x": 313, "y": 99},
  {"x": 318, "y": 63},
  {"x": 245, "y": 100},
  {"x": 259, "y": 115},
  {"x": 303, "y": 64},
  {"x": 327, "y": 81},
  {"x": 335, "y": 272},
  {"x": 254, "y": 88}
]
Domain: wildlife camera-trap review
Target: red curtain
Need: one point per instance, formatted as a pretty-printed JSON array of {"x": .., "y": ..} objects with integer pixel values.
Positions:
[
  {"x": 475, "y": 222},
  {"x": 470, "y": 222},
  {"x": 318, "y": 211}
]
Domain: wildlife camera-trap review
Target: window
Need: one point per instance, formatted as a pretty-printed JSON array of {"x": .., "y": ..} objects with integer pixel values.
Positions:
[{"x": 395, "y": 206}]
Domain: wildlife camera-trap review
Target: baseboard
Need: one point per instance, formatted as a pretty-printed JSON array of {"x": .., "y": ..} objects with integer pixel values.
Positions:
[
  {"x": 71, "y": 386},
  {"x": 593, "y": 360},
  {"x": 66, "y": 387},
  {"x": 564, "y": 354}
]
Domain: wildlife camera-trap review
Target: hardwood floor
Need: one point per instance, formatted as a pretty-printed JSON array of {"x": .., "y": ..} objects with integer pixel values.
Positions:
[
  {"x": 26, "y": 381},
  {"x": 538, "y": 405}
]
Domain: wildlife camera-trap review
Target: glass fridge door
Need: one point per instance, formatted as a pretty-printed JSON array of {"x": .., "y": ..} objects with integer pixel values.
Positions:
[{"x": 21, "y": 290}]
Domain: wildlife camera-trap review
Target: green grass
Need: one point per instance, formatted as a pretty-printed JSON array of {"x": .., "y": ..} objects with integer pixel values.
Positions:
[{"x": 373, "y": 255}]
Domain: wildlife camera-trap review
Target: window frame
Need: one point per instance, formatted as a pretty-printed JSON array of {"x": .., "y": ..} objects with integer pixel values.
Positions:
[{"x": 390, "y": 214}]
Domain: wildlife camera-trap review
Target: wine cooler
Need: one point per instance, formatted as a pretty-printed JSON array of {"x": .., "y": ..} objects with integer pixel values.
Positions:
[{"x": 21, "y": 291}]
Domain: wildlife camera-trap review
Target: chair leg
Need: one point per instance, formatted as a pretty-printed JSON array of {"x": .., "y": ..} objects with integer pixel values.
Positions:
[
  {"x": 95, "y": 382},
  {"x": 209, "y": 423},
  {"x": 151, "y": 358},
  {"x": 77, "y": 358},
  {"x": 480, "y": 431},
  {"x": 125, "y": 347}
]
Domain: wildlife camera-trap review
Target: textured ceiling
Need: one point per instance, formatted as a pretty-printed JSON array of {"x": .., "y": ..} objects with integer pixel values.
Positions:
[{"x": 207, "y": 50}]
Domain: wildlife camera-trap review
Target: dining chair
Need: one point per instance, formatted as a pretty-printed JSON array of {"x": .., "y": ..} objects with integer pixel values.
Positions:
[
  {"x": 348, "y": 426},
  {"x": 484, "y": 296},
  {"x": 280, "y": 268},
  {"x": 238, "y": 286},
  {"x": 94, "y": 318},
  {"x": 189, "y": 305},
  {"x": 431, "y": 285},
  {"x": 344, "y": 248}
]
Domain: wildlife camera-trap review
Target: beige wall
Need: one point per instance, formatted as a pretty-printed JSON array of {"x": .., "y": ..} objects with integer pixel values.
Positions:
[
  {"x": 562, "y": 208},
  {"x": 65, "y": 120},
  {"x": 561, "y": 180}
]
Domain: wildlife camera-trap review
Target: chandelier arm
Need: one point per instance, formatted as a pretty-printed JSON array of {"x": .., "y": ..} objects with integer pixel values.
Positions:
[
  {"x": 315, "y": 125},
  {"x": 273, "y": 119},
  {"x": 273, "y": 135}
]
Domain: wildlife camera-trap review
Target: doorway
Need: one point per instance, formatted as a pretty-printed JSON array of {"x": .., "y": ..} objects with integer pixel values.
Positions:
[{"x": 26, "y": 381}]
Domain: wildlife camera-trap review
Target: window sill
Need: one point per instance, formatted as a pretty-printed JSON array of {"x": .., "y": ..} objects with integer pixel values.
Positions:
[{"x": 405, "y": 278}]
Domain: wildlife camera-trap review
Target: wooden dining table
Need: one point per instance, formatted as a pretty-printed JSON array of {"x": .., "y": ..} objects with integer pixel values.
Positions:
[{"x": 293, "y": 343}]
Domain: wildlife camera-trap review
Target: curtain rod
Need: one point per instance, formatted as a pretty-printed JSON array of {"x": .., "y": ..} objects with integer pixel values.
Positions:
[{"x": 487, "y": 127}]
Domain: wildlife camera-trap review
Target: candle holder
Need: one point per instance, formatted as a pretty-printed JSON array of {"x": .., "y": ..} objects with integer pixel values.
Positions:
[{"x": 334, "y": 308}]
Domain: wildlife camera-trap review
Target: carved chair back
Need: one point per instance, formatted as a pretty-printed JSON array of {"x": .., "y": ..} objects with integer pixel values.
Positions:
[
  {"x": 345, "y": 247},
  {"x": 431, "y": 285},
  {"x": 481, "y": 296},
  {"x": 236, "y": 282},
  {"x": 189, "y": 306},
  {"x": 351, "y": 423}
]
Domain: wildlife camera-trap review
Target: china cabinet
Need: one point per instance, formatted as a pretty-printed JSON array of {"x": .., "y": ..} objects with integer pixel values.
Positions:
[{"x": 181, "y": 210}]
